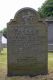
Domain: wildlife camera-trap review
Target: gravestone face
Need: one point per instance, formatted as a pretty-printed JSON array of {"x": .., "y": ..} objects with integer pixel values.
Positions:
[{"x": 27, "y": 44}]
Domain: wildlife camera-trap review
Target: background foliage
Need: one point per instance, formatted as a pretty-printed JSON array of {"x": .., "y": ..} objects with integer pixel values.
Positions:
[{"x": 46, "y": 9}]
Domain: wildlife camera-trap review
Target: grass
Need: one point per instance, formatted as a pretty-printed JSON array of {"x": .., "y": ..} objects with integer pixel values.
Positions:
[
  {"x": 3, "y": 64},
  {"x": 3, "y": 57},
  {"x": 50, "y": 62}
]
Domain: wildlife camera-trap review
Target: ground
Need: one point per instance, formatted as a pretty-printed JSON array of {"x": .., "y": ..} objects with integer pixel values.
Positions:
[{"x": 3, "y": 69}]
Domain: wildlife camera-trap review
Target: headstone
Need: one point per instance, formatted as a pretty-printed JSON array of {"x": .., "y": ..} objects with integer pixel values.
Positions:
[{"x": 27, "y": 44}]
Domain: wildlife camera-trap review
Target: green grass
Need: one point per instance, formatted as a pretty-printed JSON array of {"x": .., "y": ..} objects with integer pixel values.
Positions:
[
  {"x": 50, "y": 61},
  {"x": 3, "y": 63},
  {"x": 3, "y": 56}
]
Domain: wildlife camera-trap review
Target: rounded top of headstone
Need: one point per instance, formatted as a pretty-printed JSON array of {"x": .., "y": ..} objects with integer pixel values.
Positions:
[{"x": 26, "y": 13}]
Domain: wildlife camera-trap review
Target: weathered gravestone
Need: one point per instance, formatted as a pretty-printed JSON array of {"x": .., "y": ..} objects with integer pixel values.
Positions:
[{"x": 27, "y": 44}]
